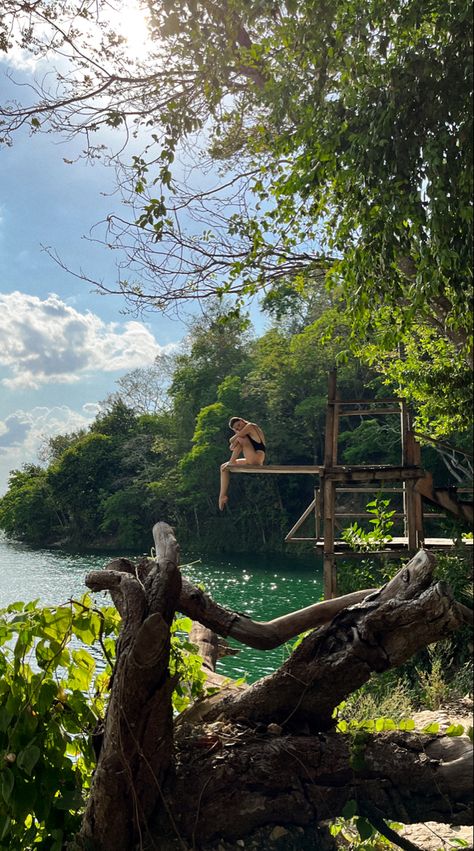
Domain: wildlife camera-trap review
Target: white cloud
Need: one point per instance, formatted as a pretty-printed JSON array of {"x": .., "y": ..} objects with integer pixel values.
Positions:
[
  {"x": 24, "y": 432},
  {"x": 91, "y": 408},
  {"x": 49, "y": 341},
  {"x": 20, "y": 59}
]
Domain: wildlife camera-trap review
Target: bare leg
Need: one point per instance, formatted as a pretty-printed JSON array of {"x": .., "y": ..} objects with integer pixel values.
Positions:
[
  {"x": 225, "y": 475},
  {"x": 225, "y": 478},
  {"x": 242, "y": 444}
]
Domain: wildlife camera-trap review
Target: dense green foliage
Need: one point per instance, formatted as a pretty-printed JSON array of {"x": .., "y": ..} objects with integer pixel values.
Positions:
[
  {"x": 107, "y": 487},
  {"x": 55, "y": 666},
  {"x": 51, "y": 697},
  {"x": 356, "y": 120}
]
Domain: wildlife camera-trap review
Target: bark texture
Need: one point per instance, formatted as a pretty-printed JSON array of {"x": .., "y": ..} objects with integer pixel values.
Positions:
[
  {"x": 137, "y": 747},
  {"x": 231, "y": 780},
  {"x": 247, "y": 758}
]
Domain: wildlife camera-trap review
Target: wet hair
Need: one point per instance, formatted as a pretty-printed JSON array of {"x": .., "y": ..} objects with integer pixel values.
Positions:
[{"x": 234, "y": 420}]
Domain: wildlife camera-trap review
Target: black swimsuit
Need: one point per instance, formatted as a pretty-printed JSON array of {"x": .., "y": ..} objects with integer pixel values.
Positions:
[{"x": 259, "y": 447}]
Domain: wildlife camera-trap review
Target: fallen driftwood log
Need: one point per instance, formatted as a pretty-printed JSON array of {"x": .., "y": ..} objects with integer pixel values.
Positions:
[{"x": 249, "y": 758}]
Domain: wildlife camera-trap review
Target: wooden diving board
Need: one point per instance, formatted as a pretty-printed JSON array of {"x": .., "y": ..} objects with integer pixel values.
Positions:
[
  {"x": 314, "y": 470},
  {"x": 339, "y": 473}
]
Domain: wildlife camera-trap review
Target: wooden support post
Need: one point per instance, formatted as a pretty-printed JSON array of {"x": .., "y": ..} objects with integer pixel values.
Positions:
[
  {"x": 329, "y": 491},
  {"x": 415, "y": 452},
  {"x": 410, "y": 518},
  {"x": 335, "y": 429},
  {"x": 329, "y": 560},
  {"x": 412, "y": 501},
  {"x": 403, "y": 438},
  {"x": 329, "y": 442},
  {"x": 317, "y": 512}
]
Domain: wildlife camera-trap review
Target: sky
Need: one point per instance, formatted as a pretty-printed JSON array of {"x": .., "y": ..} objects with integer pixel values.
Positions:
[{"x": 62, "y": 346}]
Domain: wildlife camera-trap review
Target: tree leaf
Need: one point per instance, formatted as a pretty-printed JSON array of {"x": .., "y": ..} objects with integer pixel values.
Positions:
[
  {"x": 350, "y": 809},
  {"x": 4, "y": 825},
  {"x": 8, "y": 782},
  {"x": 28, "y": 758},
  {"x": 364, "y": 827}
]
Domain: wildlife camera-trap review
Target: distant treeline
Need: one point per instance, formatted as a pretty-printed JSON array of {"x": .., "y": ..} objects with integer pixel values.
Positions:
[{"x": 154, "y": 450}]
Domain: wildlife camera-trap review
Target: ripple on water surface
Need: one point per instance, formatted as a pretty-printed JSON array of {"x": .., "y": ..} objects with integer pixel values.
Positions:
[{"x": 264, "y": 587}]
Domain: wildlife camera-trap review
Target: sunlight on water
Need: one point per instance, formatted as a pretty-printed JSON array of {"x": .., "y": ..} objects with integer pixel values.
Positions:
[{"x": 263, "y": 587}]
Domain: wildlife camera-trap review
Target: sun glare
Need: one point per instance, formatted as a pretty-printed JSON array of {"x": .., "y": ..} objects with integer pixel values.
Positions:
[
  {"x": 133, "y": 27},
  {"x": 128, "y": 18}
]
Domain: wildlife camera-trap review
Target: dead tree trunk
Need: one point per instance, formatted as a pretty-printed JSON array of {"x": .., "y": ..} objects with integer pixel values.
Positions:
[
  {"x": 232, "y": 780},
  {"x": 137, "y": 747},
  {"x": 249, "y": 758}
]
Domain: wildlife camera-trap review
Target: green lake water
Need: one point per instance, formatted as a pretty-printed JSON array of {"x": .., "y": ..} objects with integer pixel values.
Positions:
[{"x": 263, "y": 587}]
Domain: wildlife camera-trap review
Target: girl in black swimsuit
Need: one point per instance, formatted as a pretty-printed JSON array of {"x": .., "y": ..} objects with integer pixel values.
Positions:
[{"x": 248, "y": 440}]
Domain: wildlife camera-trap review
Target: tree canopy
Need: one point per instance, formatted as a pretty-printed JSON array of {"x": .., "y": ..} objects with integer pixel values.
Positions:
[{"x": 325, "y": 141}]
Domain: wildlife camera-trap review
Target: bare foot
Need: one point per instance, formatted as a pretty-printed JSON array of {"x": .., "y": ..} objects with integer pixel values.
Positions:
[{"x": 223, "y": 500}]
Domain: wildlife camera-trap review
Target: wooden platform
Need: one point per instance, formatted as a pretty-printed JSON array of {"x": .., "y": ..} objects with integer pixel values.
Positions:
[
  {"x": 339, "y": 473},
  {"x": 314, "y": 470},
  {"x": 395, "y": 544},
  {"x": 373, "y": 473},
  {"x": 414, "y": 486}
]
